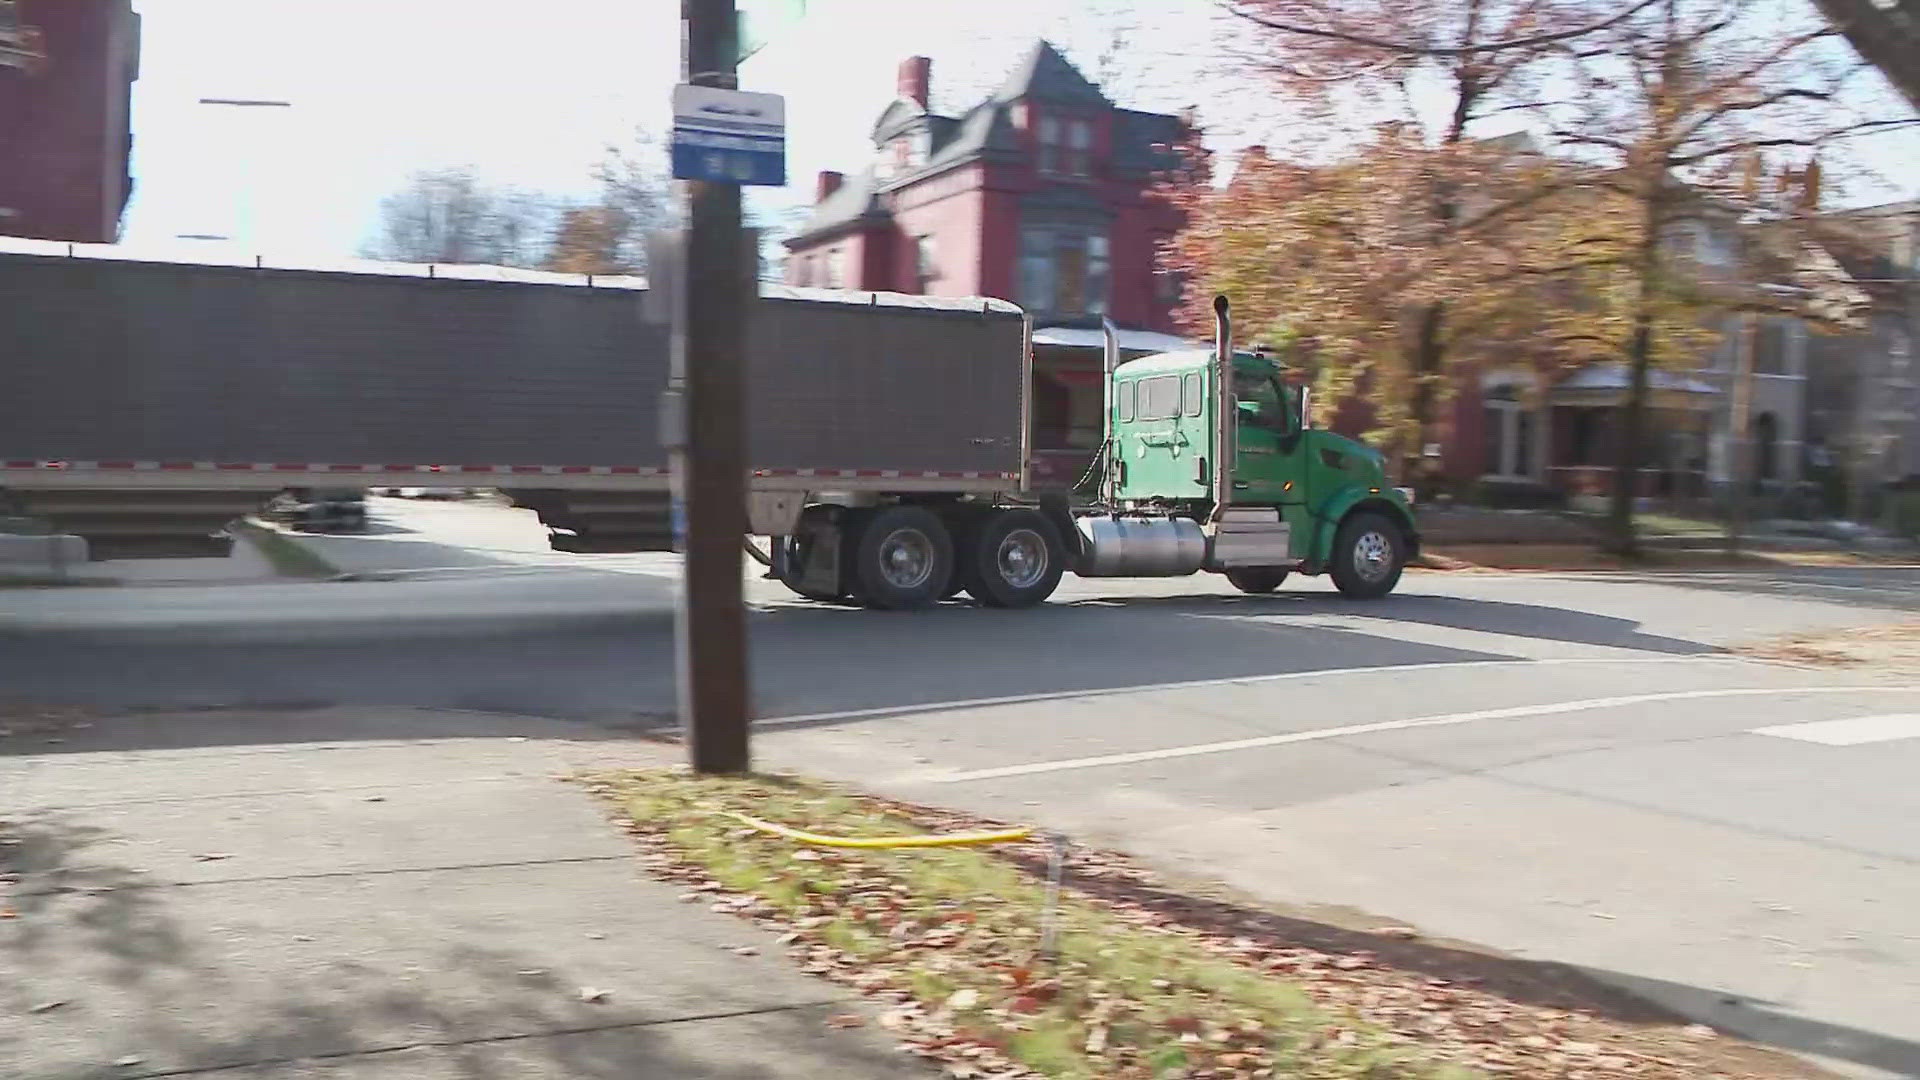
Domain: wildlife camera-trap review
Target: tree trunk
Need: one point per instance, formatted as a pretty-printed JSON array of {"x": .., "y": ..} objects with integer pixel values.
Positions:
[
  {"x": 1626, "y": 471},
  {"x": 1633, "y": 411},
  {"x": 1428, "y": 354},
  {"x": 1887, "y": 34}
]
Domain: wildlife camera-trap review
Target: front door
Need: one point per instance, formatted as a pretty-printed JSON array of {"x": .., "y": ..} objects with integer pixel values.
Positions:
[{"x": 1267, "y": 468}]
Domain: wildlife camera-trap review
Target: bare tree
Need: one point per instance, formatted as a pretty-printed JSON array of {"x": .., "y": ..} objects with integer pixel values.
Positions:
[
  {"x": 1435, "y": 211},
  {"x": 449, "y": 216},
  {"x": 1721, "y": 107},
  {"x": 609, "y": 236}
]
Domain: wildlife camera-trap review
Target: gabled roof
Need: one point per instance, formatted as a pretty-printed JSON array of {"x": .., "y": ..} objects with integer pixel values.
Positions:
[
  {"x": 1046, "y": 75},
  {"x": 1139, "y": 145},
  {"x": 1141, "y": 140},
  {"x": 857, "y": 198}
]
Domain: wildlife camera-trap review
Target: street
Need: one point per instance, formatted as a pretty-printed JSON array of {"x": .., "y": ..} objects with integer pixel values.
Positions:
[{"x": 1566, "y": 768}]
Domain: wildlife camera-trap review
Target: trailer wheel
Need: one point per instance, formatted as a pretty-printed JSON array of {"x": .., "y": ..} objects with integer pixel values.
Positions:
[
  {"x": 1369, "y": 552},
  {"x": 1257, "y": 581},
  {"x": 1012, "y": 559},
  {"x": 903, "y": 558}
]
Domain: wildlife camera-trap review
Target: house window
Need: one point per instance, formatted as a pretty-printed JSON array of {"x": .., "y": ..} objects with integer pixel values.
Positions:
[
  {"x": 1066, "y": 146},
  {"x": 1510, "y": 433},
  {"x": 926, "y": 269},
  {"x": 1064, "y": 272},
  {"x": 836, "y": 268}
]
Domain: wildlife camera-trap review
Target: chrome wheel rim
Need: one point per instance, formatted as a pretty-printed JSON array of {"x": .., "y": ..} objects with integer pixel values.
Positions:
[
  {"x": 1022, "y": 558},
  {"x": 1372, "y": 555},
  {"x": 906, "y": 558}
]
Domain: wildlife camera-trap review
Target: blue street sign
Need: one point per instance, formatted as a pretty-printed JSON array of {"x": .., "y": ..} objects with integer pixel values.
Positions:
[{"x": 729, "y": 136}]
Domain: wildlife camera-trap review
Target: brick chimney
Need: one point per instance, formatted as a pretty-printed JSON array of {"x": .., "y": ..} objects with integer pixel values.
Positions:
[
  {"x": 828, "y": 183},
  {"x": 916, "y": 79}
]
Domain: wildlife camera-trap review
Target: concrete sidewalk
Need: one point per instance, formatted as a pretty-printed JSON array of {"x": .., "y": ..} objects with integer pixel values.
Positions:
[{"x": 356, "y": 895}]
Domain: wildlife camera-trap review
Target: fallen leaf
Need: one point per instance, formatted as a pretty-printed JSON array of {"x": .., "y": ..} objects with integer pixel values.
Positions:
[
  {"x": 593, "y": 996},
  {"x": 47, "y": 1006},
  {"x": 212, "y": 856},
  {"x": 129, "y": 1061},
  {"x": 846, "y": 1020},
  {"x": 302, "y": 937},
  {"x": 1025, "y": 1003},
  {"x": 806, "y": 855},
  {"x": 746, "y": 950},
  {"x": 1097, "y": 1040},
  {"x": 963, "y": 999},
  {"x": 1404, "y": 933}
]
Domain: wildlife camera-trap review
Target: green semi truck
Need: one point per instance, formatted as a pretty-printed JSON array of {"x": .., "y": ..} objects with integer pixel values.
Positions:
[{"x": 1209, "y": 463}]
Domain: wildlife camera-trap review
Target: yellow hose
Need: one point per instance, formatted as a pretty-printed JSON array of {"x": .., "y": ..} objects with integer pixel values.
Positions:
[{"x": 948, "y": 840}]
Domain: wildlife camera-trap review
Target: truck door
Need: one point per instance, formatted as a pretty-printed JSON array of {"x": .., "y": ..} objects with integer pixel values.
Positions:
[{"x": 1267, "y": 468}]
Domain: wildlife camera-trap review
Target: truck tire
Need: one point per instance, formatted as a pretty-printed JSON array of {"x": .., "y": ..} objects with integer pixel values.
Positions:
[
  {"x": 902, "y": 558},
  {"x": 792, "y": 564},
  {"x": 1369, "y": 552},
  {"x": 1012, "y": 559},
  {"x": 1256, "y": 580}
]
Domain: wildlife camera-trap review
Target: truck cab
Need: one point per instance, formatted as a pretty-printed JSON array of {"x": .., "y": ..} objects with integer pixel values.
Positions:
[{"x": 1293, "y": 488}]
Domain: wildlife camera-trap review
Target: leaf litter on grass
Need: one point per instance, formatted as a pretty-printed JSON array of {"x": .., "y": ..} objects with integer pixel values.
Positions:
[{"x": 947, "y": 943}]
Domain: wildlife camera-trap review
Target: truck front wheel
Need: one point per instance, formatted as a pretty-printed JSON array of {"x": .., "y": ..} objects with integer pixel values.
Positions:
[
  {"x": 1012, "y": 559},
  {"x": 903, "y": 558},
  {"x": 1369, "y": 552}
]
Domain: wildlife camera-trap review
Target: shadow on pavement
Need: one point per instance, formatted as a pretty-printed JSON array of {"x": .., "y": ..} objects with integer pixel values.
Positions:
[
  {"x": 1454, "y": 612},
  {"x": 101, "y": 965},
  {"x": 1616, "y": 996},
  {"x": 809, "y": 659}
]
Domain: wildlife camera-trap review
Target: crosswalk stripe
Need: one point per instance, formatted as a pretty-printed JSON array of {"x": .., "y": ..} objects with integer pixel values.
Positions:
[{"x": 1852, "y": 731}]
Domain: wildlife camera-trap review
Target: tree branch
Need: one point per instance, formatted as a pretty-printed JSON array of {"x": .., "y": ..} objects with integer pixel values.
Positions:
[{"x": 1439, "y": 51}]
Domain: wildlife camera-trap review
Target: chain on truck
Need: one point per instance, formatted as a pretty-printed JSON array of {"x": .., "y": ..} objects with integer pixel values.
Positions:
[{"x": 888, "y": 435}]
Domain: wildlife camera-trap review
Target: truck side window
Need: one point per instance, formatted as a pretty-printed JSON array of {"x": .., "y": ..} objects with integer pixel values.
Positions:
[
  {"x": 1260, "y": 402},
  {"x": 1193, "y": 401},
  {"x": 1124, "y": 391}
]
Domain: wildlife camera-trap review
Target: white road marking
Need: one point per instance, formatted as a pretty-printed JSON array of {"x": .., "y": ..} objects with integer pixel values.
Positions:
[
  {"x": 1444, "y": 720},
  {"x": 1237, "y": 680},
  {"x": 1852, "y": 731}
]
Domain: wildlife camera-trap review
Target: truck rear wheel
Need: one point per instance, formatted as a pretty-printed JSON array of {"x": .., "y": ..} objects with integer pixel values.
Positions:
[
  {"x": 1369, "y": 552},
  {"x": 903, "y": 558},
  {"x": 1012, "y": 559},
  {"x": 1256, "y": 581}
]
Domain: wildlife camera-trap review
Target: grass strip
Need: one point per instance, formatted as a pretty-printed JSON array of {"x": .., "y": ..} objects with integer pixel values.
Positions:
[
  {"x": 1153, "y": 979},
  {"x": 950, "y": 937},
  {"x": 288, "y": 556}
]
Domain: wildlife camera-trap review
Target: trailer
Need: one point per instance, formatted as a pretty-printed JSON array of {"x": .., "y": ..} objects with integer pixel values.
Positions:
[{"x": 888, "y": 435}]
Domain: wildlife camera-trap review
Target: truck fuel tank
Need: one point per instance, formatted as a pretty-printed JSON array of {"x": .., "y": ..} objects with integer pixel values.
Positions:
[{"x": 1122, "y": 546}]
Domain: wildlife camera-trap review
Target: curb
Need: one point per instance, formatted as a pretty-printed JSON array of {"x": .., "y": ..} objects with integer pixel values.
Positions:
[{"x": 288, "y": 556}]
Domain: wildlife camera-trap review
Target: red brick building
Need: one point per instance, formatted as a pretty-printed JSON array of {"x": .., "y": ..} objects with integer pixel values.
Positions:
[
  {"x": 65, "y": 125},
  {"x": 1039, "y": 194}
]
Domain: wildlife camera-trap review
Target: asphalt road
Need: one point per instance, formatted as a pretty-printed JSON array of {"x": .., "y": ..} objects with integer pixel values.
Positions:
[{"x": 1565, "y": 768}]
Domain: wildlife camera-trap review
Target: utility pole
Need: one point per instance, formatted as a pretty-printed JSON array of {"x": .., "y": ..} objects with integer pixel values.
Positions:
[
  {"x": 1741, "y": 449},
  {"x": 709, "y": 470}
]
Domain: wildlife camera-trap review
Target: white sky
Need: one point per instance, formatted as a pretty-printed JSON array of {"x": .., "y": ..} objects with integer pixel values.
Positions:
[{"x": 530, "y": 93}]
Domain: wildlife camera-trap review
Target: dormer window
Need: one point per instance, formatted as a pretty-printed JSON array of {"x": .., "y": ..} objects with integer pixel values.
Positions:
[{"x": 1066, "y": 146}]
